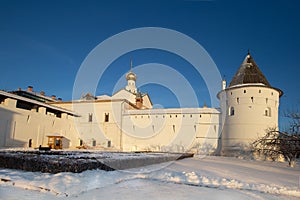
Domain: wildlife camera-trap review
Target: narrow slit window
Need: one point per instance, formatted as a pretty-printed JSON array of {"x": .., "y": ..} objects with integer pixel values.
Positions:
[
  {"x": 231, "y": 111},
  {"x": 106, "y": 118},
  {"x": 90, "y": 117}
]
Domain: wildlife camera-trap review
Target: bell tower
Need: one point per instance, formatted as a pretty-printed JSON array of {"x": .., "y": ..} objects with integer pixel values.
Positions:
[{"x": 131, "y": 79}]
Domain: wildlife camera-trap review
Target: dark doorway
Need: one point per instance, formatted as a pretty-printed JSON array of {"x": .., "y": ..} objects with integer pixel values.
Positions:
[{"x": 30, "y": 143}]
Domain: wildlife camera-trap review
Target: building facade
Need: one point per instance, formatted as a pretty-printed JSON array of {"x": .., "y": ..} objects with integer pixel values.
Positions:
[
  {"x": 126, "y": 120},
  {"x": 26, "y": 120}
]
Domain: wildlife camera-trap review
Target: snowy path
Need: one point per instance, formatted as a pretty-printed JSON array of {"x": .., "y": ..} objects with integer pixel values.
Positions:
[{"x": 193, "y": 178}]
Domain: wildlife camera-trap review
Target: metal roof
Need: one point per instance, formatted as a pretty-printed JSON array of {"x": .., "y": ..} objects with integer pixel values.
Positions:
[{"x": 249, "y": 73}]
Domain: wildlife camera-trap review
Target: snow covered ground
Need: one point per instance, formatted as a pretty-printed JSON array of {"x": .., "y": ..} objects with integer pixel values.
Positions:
[{"x": 192, "y": 178}]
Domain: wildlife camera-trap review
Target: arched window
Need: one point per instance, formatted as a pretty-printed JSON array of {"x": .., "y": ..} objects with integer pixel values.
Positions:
[{"x": 231, "y": 111}]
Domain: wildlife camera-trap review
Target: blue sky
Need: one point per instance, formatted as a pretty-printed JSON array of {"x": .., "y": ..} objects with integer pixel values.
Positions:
[{"x": 43, "y": 43}]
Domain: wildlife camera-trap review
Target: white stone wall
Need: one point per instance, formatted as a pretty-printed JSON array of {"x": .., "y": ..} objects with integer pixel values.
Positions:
[
  {"x": 175, "y": 130},
  {"x": 195, "y": 129},
  {"x": 92, "y": 127},
  {"x": 18, "y": 126}
]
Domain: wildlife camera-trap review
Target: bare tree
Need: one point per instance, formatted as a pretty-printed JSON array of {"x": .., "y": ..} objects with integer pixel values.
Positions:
[{"x": 276, "y": 143}]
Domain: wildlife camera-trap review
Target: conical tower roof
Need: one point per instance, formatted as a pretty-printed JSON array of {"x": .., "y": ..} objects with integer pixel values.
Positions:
[{"x": 249, "y": 73}]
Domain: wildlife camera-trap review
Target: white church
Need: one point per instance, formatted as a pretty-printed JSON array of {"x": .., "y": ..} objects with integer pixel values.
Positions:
[{"x": 126, "y": 121}]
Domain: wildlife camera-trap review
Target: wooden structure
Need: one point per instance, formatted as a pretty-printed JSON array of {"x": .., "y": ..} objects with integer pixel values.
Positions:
[{"x": 55, "y": 141}]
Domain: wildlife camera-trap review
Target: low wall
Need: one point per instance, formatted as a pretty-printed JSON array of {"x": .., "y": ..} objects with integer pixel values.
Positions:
[{"x": 77, "y": 161}]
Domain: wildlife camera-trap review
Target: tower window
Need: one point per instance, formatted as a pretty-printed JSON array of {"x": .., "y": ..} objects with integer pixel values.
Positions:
[
  {"x": 267, "y": 112},
  {"x": 245, "y": 91},
  {"x": 259, "y": 91},
  {"x": 252, "y": 99},
  {"x": 231, "y": 111},
  {"x": 238, "y": 100},
  {"x": 90, "y": 117},
  {"x": 266, "y": 100},
  {"x": 106, "y": 117}
]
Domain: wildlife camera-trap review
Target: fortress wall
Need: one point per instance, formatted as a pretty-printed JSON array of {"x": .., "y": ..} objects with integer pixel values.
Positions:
[{"x": 18, "y": 126}]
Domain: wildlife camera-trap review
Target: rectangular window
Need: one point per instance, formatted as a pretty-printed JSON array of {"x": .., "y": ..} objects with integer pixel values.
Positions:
[
  {"x": 90, "y": 117},
  {"x": 231, "y": 111},
  {"x": 268, "y": 112},
  {"x": 106, "y": 117}
]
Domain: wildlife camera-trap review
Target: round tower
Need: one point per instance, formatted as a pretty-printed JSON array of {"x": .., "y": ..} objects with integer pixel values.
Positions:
[{"x": 249, "y": 107}]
